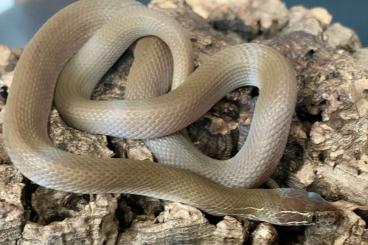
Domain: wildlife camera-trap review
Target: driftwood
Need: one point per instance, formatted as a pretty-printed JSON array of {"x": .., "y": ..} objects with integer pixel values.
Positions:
[{"x": 327, "y": 148}]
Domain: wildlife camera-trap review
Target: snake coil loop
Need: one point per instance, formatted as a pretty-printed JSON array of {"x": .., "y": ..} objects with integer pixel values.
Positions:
[{"x": 74, "y": 49}]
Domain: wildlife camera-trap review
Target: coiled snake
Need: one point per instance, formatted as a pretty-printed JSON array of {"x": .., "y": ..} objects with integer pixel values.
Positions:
[{"x": 81, "y": 42}]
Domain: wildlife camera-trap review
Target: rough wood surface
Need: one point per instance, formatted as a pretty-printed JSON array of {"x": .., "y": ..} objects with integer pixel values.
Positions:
[{"x": 327, "y": 149}]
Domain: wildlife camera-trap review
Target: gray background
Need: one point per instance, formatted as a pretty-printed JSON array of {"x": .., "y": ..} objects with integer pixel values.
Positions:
[
  {"x": 18, "y": 24},
  {"x": 351, "y": 13}
]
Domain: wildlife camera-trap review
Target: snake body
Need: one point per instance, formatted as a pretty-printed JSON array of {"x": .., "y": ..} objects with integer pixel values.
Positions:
[{"x": 76, "y": 47}]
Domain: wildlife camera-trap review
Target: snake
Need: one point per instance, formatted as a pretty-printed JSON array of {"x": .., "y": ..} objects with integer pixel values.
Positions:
[{"x": 70, "y": 54}]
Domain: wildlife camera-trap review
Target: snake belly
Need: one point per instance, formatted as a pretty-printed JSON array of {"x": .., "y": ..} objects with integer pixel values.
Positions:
[{"x": 80, "y": 48}]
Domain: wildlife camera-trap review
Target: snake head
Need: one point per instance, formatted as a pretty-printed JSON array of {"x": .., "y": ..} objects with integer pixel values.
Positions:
[{"x": 298, "y": 207}]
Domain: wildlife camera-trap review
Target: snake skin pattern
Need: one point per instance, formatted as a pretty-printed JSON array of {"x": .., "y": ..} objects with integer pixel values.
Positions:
[{"x": 76, "y": 47}]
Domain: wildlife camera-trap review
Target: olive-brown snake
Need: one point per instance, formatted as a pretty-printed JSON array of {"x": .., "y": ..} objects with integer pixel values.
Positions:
[{"x": 100, "y": 31}]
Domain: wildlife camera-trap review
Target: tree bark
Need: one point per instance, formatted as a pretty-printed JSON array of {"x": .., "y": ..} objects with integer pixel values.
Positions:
[{"x": 326, "y": 152}]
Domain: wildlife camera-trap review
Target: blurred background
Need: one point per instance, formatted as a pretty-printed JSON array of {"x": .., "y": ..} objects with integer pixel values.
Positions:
[
  {"x": 351, "y": 13},
  {"x": 20, "y": 19}
]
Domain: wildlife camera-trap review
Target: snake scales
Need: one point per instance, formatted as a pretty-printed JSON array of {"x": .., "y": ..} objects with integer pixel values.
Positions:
[{"x": 75, "y": 48}]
